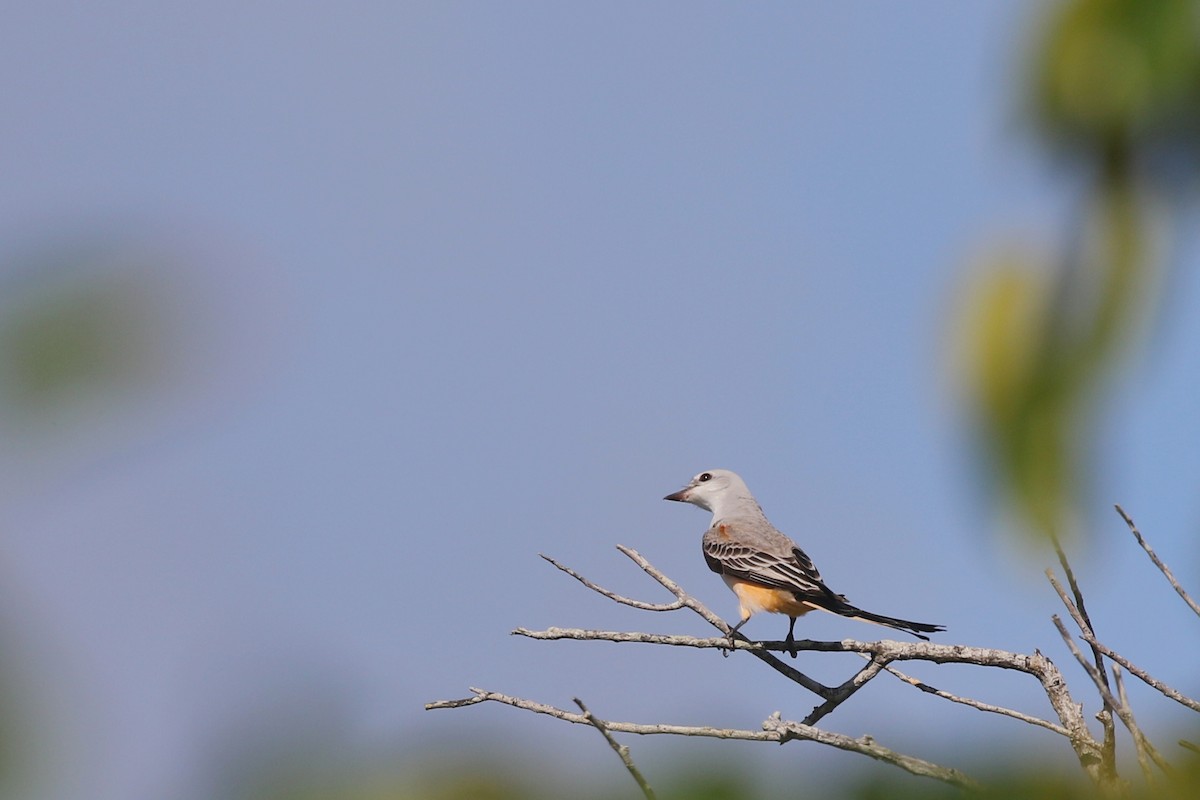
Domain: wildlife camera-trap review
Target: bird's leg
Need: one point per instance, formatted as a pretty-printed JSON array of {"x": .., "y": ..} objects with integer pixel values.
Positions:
[
  {"x": 791, "y": 639},
  {"x": 731, "y": 633}
]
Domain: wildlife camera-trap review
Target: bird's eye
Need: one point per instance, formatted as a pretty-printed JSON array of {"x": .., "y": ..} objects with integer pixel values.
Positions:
[{"x": 705, "y": 476}]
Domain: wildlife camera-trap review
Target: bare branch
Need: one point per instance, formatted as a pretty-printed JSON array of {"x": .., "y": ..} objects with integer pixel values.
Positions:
[
  {"x": 621, "y": 750},
  {"x": 1157, "y": 562},
  {"x": 774, "y": 730},
  {"x": 881, "y": 654},
  {"x": 625, "y": 601},
  {"x": 885, "y": 649},
  {"x": 966, "y": 701},
  {"x": 674, "y": 588},
  {"x": 714, "y": 643},
  {"x": 1122, "y": 712},
  {"x": 1142, "y": 757},
  {"x": 483, "y": 695},
  {"x": 867, "y": 746},
  {"x": 1137, "y": 671},
  {"x": 1069, "y": 713},
  {"x": 1108, "y": 748},
  {"x": 466, "y": 701},
  {"x": 843, "y": 693},
  {"x": 1076, "y": 614}
]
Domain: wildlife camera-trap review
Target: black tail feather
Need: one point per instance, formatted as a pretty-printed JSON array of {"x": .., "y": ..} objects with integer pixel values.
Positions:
[
  {"x": 907, "y": 626},
  {"x": 917, "y": 629}
]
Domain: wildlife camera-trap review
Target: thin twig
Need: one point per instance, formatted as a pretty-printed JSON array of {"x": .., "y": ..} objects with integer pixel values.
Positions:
[
  {"x": 867, "y": 746},
  {"x": 1141, "y": 674},
  {"x": 966, "y": 701},
  {"x": 1142, "y": 757},
  {"x": 483, "y": 695},
  {"x": 621, "y": 750},
  {"x": 774, "y": 730},
  {"x": 1158, "y": 562},
  {"x": 625, "y": 601}
]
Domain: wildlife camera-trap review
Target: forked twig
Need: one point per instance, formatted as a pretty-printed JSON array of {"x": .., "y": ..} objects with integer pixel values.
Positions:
[
  {"x": 1141, "y": 674},
  {"x": 1123, "y": 712},
  {"x": 1088, "y": 636},
  {"x": 842, "y": 693},
  {"x": 625, "y": 601}
]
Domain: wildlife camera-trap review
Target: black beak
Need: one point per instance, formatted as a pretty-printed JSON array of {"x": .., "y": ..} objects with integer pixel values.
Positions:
[{"x": 680, "y": 496}]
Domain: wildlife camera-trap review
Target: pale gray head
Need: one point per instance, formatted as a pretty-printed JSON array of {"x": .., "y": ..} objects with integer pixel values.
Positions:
[{"x": 720, "y": 491}]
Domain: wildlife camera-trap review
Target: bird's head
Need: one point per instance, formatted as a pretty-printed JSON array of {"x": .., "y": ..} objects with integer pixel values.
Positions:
[{"x": 717, "y": 490}]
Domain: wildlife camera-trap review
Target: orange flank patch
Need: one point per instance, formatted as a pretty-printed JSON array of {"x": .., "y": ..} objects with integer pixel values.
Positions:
[
  {"x": 754, "y": 598},
  {"x": 723, "y": 531}
]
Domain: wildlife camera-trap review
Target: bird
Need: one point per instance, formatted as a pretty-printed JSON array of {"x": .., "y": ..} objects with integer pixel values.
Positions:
[{"x": 762, "y": 565}]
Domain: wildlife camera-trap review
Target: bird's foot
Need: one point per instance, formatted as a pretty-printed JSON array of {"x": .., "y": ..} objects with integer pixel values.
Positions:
[{"x": 790, "y": 641}]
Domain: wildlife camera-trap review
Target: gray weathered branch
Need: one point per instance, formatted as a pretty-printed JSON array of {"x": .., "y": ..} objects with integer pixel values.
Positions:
[
  {"x": 1070, "y": 714},
  {"x": 1094, "y": 756},
  {"x": 774, "y": 730},
  {"x": 1108, "y": 748},
  {"x": 1123, "y": 712}
]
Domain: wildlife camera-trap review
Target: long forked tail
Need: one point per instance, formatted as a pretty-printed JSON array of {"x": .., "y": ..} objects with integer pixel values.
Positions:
[{"x": 917, "y": 629}]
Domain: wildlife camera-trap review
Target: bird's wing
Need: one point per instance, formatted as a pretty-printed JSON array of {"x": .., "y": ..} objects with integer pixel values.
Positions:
[{"x": 794, "y": 572}]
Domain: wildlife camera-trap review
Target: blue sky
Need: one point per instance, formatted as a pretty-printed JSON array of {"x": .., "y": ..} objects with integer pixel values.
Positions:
[{"x": 454, "y": 284}]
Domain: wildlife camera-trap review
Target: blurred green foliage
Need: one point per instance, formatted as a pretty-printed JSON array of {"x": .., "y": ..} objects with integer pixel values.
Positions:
[
  {"x": 80, "y": 327},
  {"x": 81, "y": 332},
  {"x": 520, "y": 779},
  {"x": 484, "y": 777},
  {"x": 71, "y": 340},
  {"x": 1016, "y": 780},
  {"x": 1115, "y": 86},
  {"x": 1119, "y": 73},
  {"x": 16, "y": 722}
]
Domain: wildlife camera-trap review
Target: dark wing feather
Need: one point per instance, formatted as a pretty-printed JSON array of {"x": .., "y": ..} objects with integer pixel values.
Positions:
[
  {"x": 796, "y": 574},
  {"x": 806, "y": 563}
]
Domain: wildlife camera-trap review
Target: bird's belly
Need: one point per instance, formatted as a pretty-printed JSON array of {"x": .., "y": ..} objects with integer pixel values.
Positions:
[{"x": 754, "y": 598}]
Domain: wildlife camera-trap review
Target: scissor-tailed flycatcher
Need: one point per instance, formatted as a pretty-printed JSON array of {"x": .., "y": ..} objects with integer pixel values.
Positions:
[{"x": 763, "y": 567}]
